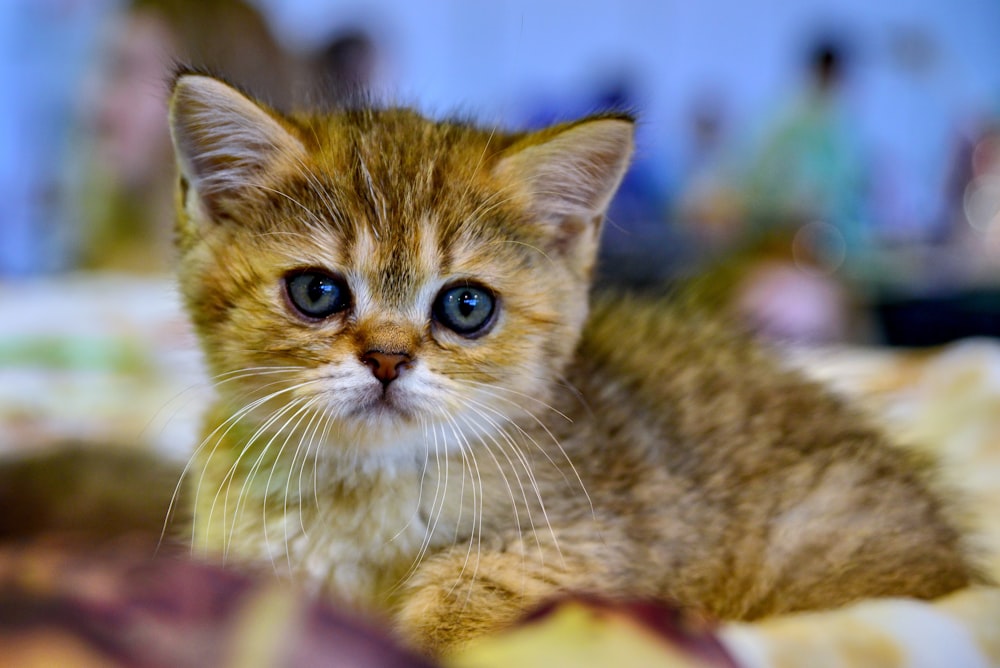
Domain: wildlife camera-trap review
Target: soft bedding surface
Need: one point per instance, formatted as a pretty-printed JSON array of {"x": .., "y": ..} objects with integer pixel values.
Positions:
[{"x": 109, "y": 360}]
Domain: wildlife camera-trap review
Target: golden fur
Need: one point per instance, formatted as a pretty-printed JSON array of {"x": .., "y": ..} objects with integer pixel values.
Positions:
[{"x": 641, "y": 452}]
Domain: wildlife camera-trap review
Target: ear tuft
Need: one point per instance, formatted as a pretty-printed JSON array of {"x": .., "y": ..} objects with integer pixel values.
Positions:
[{"x": 226, "y": 143}]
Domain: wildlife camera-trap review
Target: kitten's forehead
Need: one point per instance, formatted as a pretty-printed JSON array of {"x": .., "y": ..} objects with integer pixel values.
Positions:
[
  {"x": 400, "y": 205},
  {"x": 396, "y": 166},
  {"x": 410, "y": 195},
  {"x": 396, "y": 262}
]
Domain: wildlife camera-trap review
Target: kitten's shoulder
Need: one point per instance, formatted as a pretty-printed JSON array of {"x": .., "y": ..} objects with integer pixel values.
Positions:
[
  {"x": 656, "y": 335},
  {"x": 709, "y": 378}
]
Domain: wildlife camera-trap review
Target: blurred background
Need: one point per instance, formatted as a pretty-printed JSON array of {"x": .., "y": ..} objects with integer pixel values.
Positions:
[
  {"x": 839, "y": 154},
  {"x": 828, "y": 171}
]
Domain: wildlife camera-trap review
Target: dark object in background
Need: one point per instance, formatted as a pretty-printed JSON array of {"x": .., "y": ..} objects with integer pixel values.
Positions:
[
  {"x": 344, "y": 68},
  {"x": 117, "y": 607},
  {"x": 87, "y": 493},
  {"x": 937, "y": 320}
]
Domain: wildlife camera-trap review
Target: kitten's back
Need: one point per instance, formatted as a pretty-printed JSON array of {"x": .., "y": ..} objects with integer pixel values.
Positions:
[{"x": 796, "y": 501}]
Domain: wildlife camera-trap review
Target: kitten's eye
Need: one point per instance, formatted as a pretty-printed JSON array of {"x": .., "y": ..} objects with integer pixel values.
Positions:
[
  {"x": 465, "y": 309},
  {"x": 317, "y": 294}
]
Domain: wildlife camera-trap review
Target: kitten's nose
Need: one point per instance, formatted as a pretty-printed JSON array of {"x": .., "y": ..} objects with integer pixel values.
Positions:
[{"x": 386, "y": 366}]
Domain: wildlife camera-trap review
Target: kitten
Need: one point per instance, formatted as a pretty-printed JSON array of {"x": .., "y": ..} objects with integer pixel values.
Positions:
[{"x": 417, "y": 414}]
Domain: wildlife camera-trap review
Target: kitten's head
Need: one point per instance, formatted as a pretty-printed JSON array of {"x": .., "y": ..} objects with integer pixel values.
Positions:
[{"x": 381, "y": 270}]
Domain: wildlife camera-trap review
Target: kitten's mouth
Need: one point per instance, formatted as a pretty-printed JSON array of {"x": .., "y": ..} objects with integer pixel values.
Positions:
[
  {"x": 384, "y": 406},
  {"x": 387, "y": 406}
]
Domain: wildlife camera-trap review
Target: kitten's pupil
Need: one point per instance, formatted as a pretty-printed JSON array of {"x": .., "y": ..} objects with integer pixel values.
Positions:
[
  {"x": 466, "y": 310},
  {"x": 467, "y": 303},
  {"x": 319, "y": 289},
  {"x": 317, "y": 294}
]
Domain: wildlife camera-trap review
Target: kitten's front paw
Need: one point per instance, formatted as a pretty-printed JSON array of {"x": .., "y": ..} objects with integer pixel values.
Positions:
[{"x": 450, "y": 602}]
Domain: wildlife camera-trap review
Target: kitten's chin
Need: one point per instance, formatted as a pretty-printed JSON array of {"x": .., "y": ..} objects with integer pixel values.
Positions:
[
  {"x": 389, "y": 408},
  {"x": 378, "y": 432},
  {"x": 382, "y": 420},
  {"x": 383, "y": 413}
]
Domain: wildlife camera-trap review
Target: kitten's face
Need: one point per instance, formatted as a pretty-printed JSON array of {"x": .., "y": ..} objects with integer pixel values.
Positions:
[{"x": 384, "y": 274}]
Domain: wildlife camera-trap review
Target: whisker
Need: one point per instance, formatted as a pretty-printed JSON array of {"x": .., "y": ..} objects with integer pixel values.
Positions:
[
  {"x": 298, "y": 416},
  {"x": 331, "y": 417},
  {"x": 230, "y": 476},
  {"x": 526, "y": 465},
  {"x": 311, "y": 429},
  {"x": 235, "y": 418},
  {"x": 475, "y": 533},
  {"x": 420, "y": 488},
  {"x": 555, "y": 441},
  {"x": 437, "y": 507},
  {"x": 228, "y": 425},
  {"x": 490, "y": 389},
  {"x": 510, "y": 490}
]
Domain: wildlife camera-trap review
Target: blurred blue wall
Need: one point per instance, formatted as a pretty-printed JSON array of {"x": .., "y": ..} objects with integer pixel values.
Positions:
[
  {"x": 925, "y": 69},
  {"x": 489, "y": 57}
]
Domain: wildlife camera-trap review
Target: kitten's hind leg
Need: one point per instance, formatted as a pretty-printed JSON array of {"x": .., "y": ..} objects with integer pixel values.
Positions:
[{"x": 855, "y": 532}]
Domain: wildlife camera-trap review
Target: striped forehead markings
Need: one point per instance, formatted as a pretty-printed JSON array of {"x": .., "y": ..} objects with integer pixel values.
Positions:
[{"x": 399, "y": 263}]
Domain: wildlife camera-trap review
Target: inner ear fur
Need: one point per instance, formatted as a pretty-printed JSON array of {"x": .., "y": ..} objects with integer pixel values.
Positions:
[
  {"x": 568, "y": 174},
  {"x": 226, "y": 143},
  {"x": 573, "y": 169}
]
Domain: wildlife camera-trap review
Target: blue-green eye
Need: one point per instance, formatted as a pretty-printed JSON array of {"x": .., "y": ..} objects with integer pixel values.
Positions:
[
  {"x": 316, "y": 294},
  {"x": 465, "y": 309}
]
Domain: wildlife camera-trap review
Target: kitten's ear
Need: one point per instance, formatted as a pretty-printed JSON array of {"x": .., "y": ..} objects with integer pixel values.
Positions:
[
  {"x": 570, "y": 173},
  {"x": 226, "y": 144}
]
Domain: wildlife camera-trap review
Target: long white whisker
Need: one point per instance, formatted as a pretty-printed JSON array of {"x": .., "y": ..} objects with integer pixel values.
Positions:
[
  {"x": 309, "y": 432},
  {"x": 228, "y": 424},
  {"x": 555, "y": 441},
  {"x": 298, "y": 416},
  {"x": 230, "y": 476},
  {"x": 491, "y": 390},
  {"x": 331, "y": 417},
  {"x": 526, "y": 465},
  {"x": 437, "y": 507},
  {"x": 216, "y": 381},
  {"x": 420, "y": 488},
  {"x": 249, "y": 444},
  {"x": 475, "y": 533}
]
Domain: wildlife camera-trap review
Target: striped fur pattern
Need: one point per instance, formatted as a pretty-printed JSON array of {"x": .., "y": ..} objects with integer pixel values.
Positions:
[{"x": 625, "y": 449}]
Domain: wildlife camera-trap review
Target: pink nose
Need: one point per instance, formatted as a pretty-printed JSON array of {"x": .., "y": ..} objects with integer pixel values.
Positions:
[{"x": 386, "y": 366}]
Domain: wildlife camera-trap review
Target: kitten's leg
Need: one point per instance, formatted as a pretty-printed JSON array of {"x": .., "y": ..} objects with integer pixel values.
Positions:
[
  {"x": 456, "y": 596},
  {"x": 449, "y": 603},
  {"x": 851, "y": 535}
]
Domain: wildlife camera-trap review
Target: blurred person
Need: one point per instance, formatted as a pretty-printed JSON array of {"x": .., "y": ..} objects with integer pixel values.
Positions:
[
  {"x": 710, "y": 207},
  {"x": 343, "y": 69},
  {"x": 127, "y": 194},
  {"x": 811, "y": 166},
  {"x": 915, "y": 127},
  {"x": 973, "y": 194},
  {"x": 806, "y": 198}
]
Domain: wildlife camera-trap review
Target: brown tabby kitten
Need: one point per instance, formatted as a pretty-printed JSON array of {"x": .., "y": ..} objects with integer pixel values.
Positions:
[{"x": 417, "y": 413}]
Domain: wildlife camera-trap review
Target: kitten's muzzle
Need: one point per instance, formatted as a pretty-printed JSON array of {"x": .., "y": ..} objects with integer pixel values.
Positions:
[{"x": 386, "y": 366}]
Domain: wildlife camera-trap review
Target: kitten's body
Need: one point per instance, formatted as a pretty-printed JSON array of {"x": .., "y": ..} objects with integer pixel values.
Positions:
[{"x": 654, "y": 454}]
